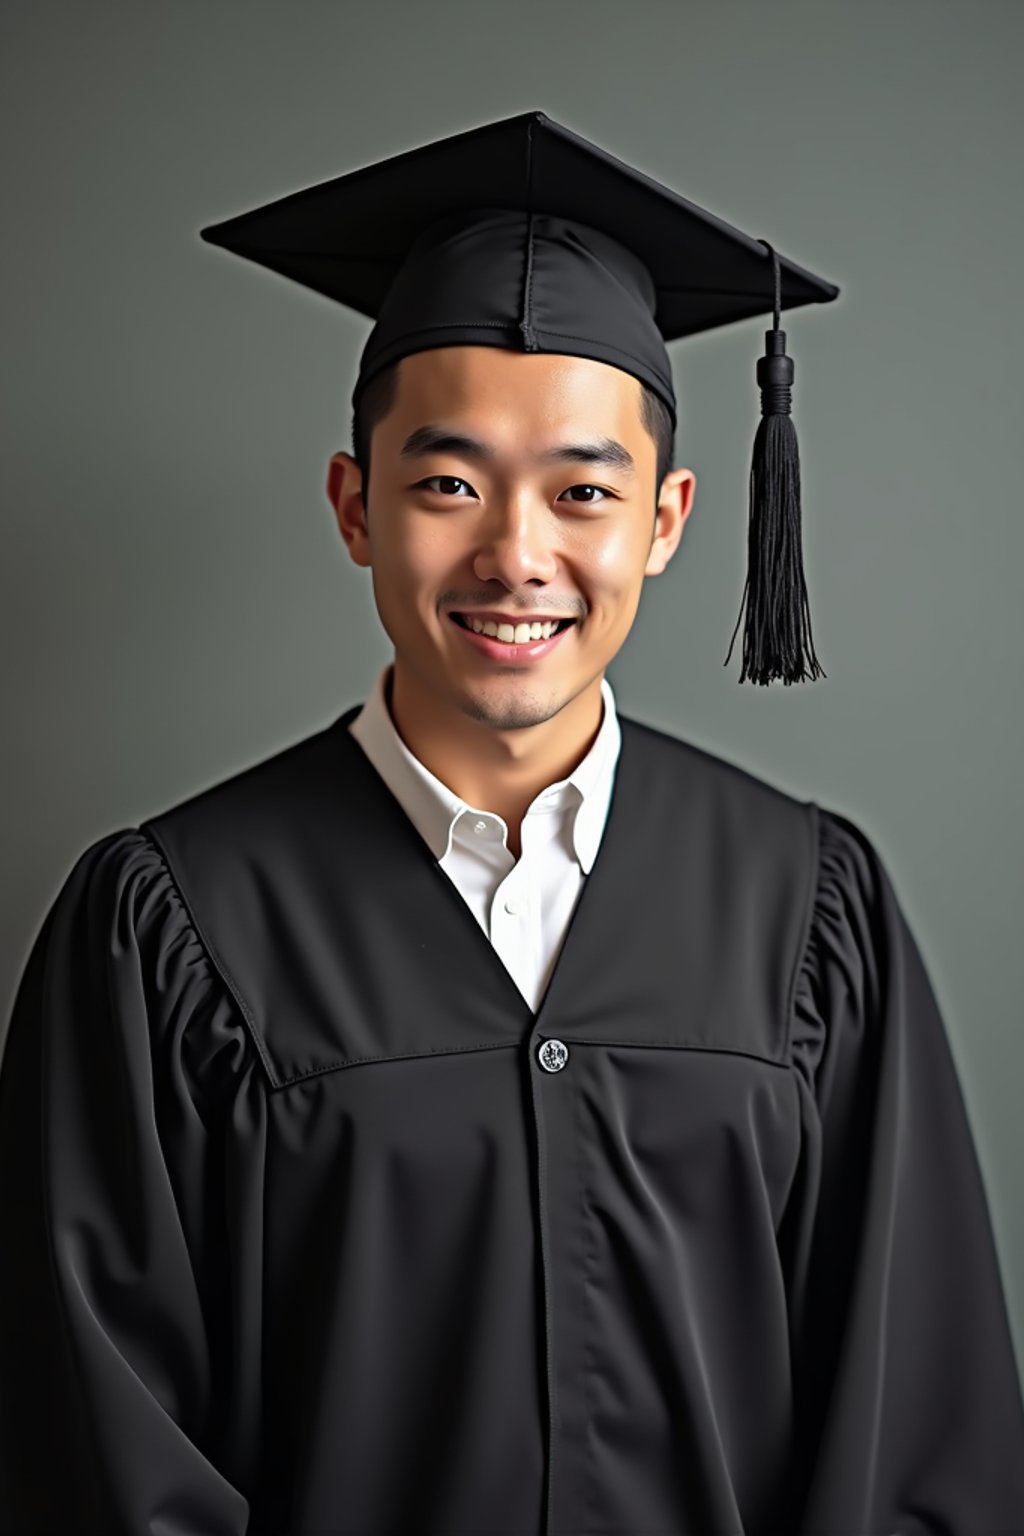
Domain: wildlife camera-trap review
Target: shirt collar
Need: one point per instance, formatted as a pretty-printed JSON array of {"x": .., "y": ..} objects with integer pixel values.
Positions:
[{"x": 434, "y": 808}]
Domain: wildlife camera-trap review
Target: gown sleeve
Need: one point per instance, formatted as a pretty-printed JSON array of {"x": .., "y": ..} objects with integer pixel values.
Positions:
[
  {"x": 116, "y": 1339},
  {"x": 909, "y": 1417}
]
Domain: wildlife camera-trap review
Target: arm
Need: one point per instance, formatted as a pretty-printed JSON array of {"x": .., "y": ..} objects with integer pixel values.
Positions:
[
  {"x": 907, "y": 1394},
  {"x": 107, "y": 1375}
]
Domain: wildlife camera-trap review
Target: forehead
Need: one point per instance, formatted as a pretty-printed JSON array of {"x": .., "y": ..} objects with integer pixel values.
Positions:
[{"x": 536, "y": 391}]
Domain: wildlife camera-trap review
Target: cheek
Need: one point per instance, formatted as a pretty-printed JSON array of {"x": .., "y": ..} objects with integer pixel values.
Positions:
[
  {"x": 408, "y": 574},
  {"x": 408, "y": 561},
  {"x": 423, "y": 552},
  {"x": 615, "y": 559}
]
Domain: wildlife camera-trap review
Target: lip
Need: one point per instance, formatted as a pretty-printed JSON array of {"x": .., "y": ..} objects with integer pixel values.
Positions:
[{"x": 511, "y": 655}]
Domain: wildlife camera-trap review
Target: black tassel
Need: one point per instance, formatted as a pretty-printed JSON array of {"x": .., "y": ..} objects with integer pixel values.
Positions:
[{"x": 778, "y": 627}]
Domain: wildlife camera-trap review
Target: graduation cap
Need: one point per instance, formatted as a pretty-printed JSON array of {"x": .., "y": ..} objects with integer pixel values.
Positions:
[{"x": 521, "y": 234}]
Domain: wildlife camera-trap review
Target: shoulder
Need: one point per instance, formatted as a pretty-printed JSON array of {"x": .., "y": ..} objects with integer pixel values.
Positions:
[
  {"x": 255, "y": 828},
  {"x": 844, "y": 853},
  {"x": 279, "y": 779},
  {"x": 117, "y": 971},
  {"x": 791, "y": 851},
  {"x": 857, "y": 941},
  {"x": 739, "y": 820},
  {"x": 120, "y": 877},
  {"x": 667, "y": 754}
]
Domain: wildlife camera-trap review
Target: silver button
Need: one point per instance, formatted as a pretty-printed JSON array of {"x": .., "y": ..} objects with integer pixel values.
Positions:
[
  {"x": 552, "y": 1055},
  {"x": 480, "y": 826}
]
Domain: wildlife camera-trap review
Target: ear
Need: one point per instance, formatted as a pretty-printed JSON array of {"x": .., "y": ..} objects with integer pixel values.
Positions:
[
  {"x": 674, "y": 503},
  {"x": 345, "y": 494}
]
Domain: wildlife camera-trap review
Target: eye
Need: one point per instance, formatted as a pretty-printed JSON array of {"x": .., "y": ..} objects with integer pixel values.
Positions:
[
  {"x": 608, "y": 495},
  {"x": 428, "y": 484},
  {"x": 452, "y": 480}
]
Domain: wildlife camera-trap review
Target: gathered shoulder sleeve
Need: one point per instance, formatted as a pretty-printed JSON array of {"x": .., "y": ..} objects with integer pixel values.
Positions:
[
  {"x": 908, "y": 1409},
  {"x": 119, "y": 1348}
]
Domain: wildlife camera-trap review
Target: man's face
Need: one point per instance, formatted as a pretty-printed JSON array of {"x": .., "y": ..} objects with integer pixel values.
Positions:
[{"x": 495, "y": 522}]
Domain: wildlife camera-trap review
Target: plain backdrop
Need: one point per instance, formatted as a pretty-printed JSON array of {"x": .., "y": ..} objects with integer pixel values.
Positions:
[{"x": 177, "y": 602}]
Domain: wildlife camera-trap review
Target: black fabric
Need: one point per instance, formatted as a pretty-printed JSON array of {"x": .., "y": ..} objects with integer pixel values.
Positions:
[
  {"x": 517, "y": 234},
  {"x": 300, "y": 1237}
]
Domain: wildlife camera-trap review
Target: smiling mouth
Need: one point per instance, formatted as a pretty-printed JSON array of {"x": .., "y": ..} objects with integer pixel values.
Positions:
[
  {"x": 514, "y": 655},
  {"x": 462, "y": 622}
]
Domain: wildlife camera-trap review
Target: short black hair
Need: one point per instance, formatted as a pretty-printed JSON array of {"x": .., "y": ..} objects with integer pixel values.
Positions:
[{"x": 379, "y": 396}]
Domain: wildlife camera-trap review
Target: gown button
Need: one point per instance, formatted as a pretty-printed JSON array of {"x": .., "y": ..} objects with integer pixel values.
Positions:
[{"x": 552, "y": 1055}]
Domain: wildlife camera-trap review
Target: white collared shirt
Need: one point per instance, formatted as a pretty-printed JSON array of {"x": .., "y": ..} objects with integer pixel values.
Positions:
[{"x": 523, "y": 906}]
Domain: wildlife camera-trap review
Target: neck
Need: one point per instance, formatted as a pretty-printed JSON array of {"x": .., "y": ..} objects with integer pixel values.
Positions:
[{"x": 499, "y": 767}]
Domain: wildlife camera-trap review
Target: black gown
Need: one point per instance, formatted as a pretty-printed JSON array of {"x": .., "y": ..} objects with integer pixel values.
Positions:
[{"x": 311, "y": 1225}]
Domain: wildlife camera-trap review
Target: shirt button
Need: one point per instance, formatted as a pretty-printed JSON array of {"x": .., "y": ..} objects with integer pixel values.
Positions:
[
  {"x": 552, "y": 1055},
  {"x": 480, "y": 826},
  {"x": 513, "y": 906}
]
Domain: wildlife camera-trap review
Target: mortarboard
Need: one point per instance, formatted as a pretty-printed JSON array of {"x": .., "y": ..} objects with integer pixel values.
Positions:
[{"x": 521, "y": 234}]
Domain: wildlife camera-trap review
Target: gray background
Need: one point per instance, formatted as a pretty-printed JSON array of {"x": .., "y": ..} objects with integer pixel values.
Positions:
[{"x": 176, "y": 600}]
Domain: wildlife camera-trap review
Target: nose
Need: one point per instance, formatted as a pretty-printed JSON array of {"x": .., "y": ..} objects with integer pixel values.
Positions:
[{"x": 516, "y": 543}]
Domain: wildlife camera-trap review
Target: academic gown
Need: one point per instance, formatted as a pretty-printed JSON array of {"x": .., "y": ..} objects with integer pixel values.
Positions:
[{"x": 311, "y": 1225}]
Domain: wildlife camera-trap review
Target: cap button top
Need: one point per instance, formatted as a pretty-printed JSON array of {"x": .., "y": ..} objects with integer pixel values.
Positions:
[{"x": 552, "y": 1055}]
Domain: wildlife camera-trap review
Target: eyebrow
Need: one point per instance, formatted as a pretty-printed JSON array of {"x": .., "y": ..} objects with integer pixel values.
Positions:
[{"x": 607, "y": 451}]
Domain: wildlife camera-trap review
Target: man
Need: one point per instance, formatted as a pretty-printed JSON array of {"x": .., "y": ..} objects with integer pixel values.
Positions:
[
  {"x": 518, "y": 541},
  {"x": 491, "y": 1114}
]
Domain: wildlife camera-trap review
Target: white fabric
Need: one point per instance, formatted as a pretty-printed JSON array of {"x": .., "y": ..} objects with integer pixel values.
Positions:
[{"x": 523, "y": 906}]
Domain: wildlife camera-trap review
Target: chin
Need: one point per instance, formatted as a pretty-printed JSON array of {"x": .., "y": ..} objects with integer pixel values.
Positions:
[{"x": 511, "y": 714}]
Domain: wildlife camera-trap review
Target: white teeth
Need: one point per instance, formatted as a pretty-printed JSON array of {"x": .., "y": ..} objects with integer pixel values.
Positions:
[{"x": 518, "y": 634}]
